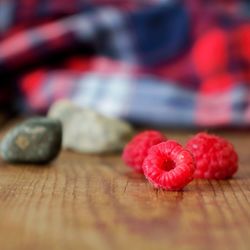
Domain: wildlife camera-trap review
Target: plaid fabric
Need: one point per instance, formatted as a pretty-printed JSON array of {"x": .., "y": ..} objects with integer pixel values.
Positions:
[{"x": 160, "y": 62}]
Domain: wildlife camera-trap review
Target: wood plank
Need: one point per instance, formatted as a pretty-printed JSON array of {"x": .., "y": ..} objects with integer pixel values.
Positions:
[{"x": 95, "y": 202}]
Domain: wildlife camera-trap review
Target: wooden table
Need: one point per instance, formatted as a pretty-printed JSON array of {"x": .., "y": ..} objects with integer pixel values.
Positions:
[{"x": 96, "y": 202}]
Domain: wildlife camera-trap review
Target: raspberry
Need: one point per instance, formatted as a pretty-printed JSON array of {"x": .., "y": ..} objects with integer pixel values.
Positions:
[
  {"x": 215, "y": 157},
  {"x": 169, "y": 166},
  {"x": 137, "y": 149}
]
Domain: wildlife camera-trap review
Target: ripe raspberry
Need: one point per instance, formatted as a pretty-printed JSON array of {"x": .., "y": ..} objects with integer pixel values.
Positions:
[
  {"x": 137, "y": 149},
  {"x": 215, "y": 157},
  {"x": 169, "y": 166}
]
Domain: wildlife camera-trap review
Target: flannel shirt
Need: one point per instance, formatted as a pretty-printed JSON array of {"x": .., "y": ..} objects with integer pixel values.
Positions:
[{"x": 157, "y": 62}]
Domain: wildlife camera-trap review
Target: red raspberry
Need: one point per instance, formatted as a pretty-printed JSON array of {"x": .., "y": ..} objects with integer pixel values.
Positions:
[
  {"x": 137, "y": 149},
  {"x": 169, "y": 166},
  {"x": 215, "y": 157}
]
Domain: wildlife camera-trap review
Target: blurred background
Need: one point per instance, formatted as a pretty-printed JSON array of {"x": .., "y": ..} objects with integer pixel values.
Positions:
[{"x": 165, "y": 63}]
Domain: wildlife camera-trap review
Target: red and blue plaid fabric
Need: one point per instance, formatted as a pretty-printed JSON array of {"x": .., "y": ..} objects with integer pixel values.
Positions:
[{"x": 159, "y": 62}]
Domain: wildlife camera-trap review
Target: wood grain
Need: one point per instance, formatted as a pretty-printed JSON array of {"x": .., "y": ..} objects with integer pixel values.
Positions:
[{"x": 95, "y": 202}]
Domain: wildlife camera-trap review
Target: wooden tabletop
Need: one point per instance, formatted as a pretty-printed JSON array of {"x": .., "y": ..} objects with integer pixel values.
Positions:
[{"x": 96, "y": 202}]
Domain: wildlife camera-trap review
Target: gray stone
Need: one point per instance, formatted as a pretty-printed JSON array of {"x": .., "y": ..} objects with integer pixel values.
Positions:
[
  {"x": 36, "y": 140},
  {"x": 87, "y": 131}
]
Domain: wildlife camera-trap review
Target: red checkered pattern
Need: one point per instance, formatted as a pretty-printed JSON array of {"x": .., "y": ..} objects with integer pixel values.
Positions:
[{"x": 171, "y": 63}]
